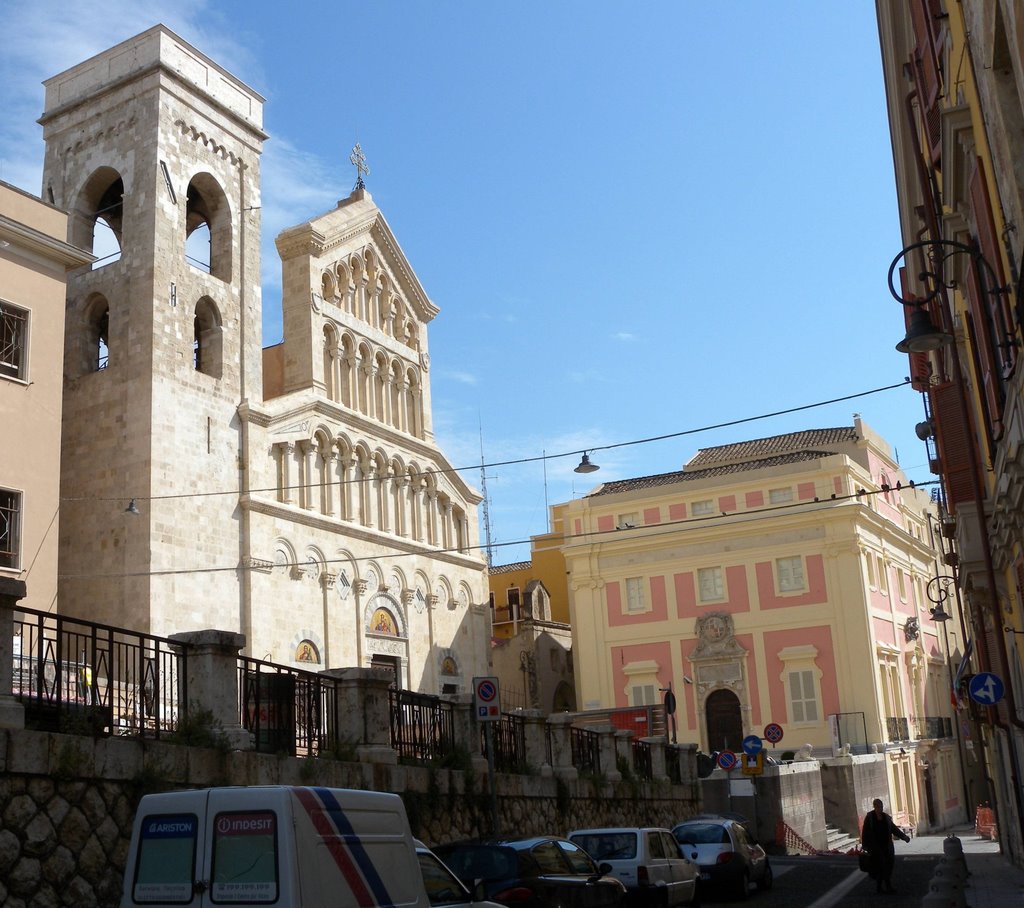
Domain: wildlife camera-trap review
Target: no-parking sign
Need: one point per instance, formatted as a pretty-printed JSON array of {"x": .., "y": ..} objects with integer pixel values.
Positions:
[
  {"x": 486, "y": 699},
  {"x": 727, "y": 760},
  {"x": 773, "y": 732}
]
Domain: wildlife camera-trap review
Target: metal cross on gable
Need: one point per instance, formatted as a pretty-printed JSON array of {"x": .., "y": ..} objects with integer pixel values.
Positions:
[{"x": 358, "y": 160}]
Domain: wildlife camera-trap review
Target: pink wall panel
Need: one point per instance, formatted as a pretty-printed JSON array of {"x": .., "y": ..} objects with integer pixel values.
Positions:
[
  {"x": 755, "y": 499},
  {"x": 736, "y": 589},
  {"x": 747, "y": 642},
  {"x": 837, "y": 485},
  {"x": 816, "y": 592},
  {"x": 819, "y": 637},
  {"x": 659, "y": 652},
  {"x": 619, "y": 617},
  {"x": 727, "y": 503},
  {"x": 805, "y": 491},
  {"x": 677, "y": 512},
  {"x": 605, "y": 524},
  {"x": 652, "y": 515},
  {"x": 686, "y": 595},
  {"x": 884, "y": 631},
  {"x": 577, "y": 527}
]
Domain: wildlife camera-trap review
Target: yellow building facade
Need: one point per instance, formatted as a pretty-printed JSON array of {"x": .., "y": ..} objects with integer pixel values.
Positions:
[
  {"x": 954, "y": 76},
  {"x": 777, "y": 587},
  {"x": 34, "y": 260}
]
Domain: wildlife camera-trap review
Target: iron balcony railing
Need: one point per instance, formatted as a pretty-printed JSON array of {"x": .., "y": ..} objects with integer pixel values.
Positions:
[
  {"x": 422, "y": 726},
  {"x": 931, "y": 726},
  {"x": 80, "y": 677},
  {"x": 897, "y": 728}
]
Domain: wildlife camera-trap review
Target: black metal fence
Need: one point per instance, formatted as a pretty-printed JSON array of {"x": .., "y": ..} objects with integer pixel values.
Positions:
[
  {"x": 422, "y": 726},
  {"x": 897, "y": 728},
  {"x": 80, "y": 677},
  {"x": 586, "y": 750},
  {"x": 509, "y": 737},
  {"x": 642, "y": 759},
  {"x": 931, "y": 726},
  {"x": 287, "y": 710}
]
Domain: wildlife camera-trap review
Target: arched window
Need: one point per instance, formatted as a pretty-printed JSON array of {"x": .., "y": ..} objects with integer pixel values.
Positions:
[
  {"x": 207, "y": 342},
  {"x": 96, "y": 334},
  {"x": 208, "y": 227},
  {"x": 98, "y": 216}
]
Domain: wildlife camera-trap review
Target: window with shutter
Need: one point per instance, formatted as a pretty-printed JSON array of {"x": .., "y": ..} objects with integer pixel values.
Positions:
[
  {"x": 953, "y": 438},
  {"x": 928, "y": 71}
]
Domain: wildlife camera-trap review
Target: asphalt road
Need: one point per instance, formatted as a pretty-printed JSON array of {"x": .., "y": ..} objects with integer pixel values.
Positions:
[{"x": 820, "y": 882}]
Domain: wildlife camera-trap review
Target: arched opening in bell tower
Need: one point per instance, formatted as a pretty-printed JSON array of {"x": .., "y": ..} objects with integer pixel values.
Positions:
[
  {"x": 98, "y": 215},
  {"x": 208, "y": 227},
  {"x": 207, "y": 344}
]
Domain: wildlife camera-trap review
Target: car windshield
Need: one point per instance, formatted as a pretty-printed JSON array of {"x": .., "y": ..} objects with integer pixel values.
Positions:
[
  {"x": 607, "y": 846},
  {"x": 480, "y": 862},
  {"x": 702, "y": 834}
]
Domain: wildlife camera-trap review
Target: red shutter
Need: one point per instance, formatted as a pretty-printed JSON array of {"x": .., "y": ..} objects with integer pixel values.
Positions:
[
  {"x": 997, "y": 304},
  {"x": 980, "y": 344},
  {"x": 928, "y": 71},
  {"x": 953, "y": 438}
]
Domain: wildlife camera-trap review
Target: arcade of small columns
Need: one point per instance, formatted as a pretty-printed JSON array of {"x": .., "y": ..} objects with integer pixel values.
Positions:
[
  {"x": 382, "y": 388},
  {"x": 355, "y": 485}
]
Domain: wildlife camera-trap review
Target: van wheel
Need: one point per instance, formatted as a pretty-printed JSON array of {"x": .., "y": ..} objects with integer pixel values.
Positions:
[{"x": 765, "y": 883}]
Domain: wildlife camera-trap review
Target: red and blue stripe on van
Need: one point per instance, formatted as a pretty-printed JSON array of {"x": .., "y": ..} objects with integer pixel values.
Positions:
[{"x": 344, "y": 846}]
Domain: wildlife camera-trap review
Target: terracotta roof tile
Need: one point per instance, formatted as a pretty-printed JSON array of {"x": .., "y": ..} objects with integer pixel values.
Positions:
[
  {"x": 508, "y": 568},
  {"x": 810, "y": 439},
  {"x": 688, "y": 475}
]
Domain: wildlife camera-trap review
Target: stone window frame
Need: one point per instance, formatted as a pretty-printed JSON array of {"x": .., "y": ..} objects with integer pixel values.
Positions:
[{"x": 801, "y": 661}]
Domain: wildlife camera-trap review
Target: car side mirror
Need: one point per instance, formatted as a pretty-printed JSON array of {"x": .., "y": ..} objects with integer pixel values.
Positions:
[
  {"x": 479, "y": 893},
  {"x": 604, "y": 867}
]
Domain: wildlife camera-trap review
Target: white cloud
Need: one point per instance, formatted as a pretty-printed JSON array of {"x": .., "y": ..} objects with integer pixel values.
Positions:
[
  {"x": 465, "y": 378},
  {"x": 625, "y": 336}
]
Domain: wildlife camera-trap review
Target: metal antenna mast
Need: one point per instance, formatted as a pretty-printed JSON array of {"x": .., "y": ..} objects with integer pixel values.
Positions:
[{"x": 487, "y": 509}]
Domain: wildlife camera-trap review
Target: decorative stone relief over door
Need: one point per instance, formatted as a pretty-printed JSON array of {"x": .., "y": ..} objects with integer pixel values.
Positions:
[
  {"x": 723, "y": 704},
  {"x": 385, "y": 633}
]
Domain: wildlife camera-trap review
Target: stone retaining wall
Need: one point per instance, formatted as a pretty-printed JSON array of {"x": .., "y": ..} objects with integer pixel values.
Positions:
[{"x": 67, "y": 804}]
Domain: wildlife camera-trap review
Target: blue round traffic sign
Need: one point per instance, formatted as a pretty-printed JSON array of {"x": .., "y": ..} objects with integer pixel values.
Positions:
[
  {"x": 727, "y": 760},
  {"x": 752, "y": 745},
  {"x": 773, "y": 732},
  {"x": 986, "y": 688}
]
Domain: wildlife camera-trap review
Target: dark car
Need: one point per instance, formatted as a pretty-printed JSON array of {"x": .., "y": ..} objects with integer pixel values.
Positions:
[
  {"x": 728, "y": 857},
  {"x": 539, "y": 872}
]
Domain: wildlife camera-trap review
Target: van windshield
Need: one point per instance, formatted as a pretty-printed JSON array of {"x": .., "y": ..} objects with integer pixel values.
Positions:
[
  {"x": 244, "y": 860},
  {"x": 607, "y": 846},
  {"x": 165, "y": 866}
]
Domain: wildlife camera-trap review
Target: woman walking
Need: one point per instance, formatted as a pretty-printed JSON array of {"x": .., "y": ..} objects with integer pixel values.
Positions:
[{"x": 876, "y": 836}]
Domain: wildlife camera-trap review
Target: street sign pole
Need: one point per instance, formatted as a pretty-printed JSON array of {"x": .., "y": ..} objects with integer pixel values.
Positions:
[{"x": 495, "y": 822}]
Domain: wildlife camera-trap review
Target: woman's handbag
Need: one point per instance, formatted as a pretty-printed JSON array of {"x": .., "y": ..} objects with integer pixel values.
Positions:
[{"x": 864, "y": 861}]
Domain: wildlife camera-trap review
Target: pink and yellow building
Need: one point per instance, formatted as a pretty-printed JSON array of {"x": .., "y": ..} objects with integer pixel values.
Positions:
[{"x": 775, "y": 581}]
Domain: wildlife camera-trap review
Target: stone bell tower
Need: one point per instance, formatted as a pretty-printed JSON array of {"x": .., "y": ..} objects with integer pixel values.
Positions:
[{"x": 155, "y": 146}]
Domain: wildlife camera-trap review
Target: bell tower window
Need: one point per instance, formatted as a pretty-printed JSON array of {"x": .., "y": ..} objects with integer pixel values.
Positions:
[{"x": 207, "y": 345}]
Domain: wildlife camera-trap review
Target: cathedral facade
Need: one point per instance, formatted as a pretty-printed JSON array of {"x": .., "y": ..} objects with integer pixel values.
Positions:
[{"x": 295, "y": 494}]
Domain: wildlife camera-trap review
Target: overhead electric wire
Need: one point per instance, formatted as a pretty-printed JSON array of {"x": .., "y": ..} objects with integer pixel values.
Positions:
[
  {"x": 663, "y": 528},
  {"x": 504, "y": 463}
]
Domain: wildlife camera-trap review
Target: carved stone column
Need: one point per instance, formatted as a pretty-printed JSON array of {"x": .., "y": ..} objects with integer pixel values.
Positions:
[
  {"x": 560, "y": 727},
  {"x": 212, "y": 679},
  {"x": 286, "y": 450},
  {"x": 309, "y": 473},
  {"x": 330, "y": 480},
  {"x": 362, "y": 713}
]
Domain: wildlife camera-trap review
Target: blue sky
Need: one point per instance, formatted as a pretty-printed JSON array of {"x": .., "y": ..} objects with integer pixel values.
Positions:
[{"x": 636, "y": 219}]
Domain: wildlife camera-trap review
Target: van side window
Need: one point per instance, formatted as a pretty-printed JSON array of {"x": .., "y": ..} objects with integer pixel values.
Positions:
[
  {"x": 166, "y": 862},
  {"x": 244, "y": 862}
]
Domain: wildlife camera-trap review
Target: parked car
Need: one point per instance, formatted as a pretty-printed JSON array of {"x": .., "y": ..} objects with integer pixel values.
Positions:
[
  {"x": 729, "y": 858},
  {"x": 647, "y": 860},
  {"x": 442, "y": 886},
  {"x": 538, "y": 872}
]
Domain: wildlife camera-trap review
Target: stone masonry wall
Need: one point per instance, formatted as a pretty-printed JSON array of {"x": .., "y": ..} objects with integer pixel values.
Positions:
[{"x": 67, "y": 804}]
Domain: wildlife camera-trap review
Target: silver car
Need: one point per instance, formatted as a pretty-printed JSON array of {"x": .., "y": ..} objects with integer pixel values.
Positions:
[
  {"x": 647, "y": 860},
  {"x": 729, "y": 858}
]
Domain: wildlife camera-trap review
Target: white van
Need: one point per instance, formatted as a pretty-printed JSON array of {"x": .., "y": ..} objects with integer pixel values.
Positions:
[{"x": 281, "y": 846}]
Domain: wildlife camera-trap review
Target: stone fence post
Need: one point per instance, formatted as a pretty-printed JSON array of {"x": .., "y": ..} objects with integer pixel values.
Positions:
[
  {"x": 606, "y": 742},
  {"x": 12, "y": 713},
  {"x": 467, "y": 731},
  {"x": 362, "y": 712},
  {"x": 560, "y": 727},
  {"x": 212, "y": 679},
  {"x": 535, "y": 733}
]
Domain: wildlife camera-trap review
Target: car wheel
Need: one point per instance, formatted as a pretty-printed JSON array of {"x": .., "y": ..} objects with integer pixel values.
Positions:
[
  {"x": 765, "y": 883},
  {"x": 743, "y": 885}
]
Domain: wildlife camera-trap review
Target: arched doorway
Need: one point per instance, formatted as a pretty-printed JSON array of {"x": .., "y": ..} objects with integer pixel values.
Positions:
[{"x": 724, "y": 721}]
